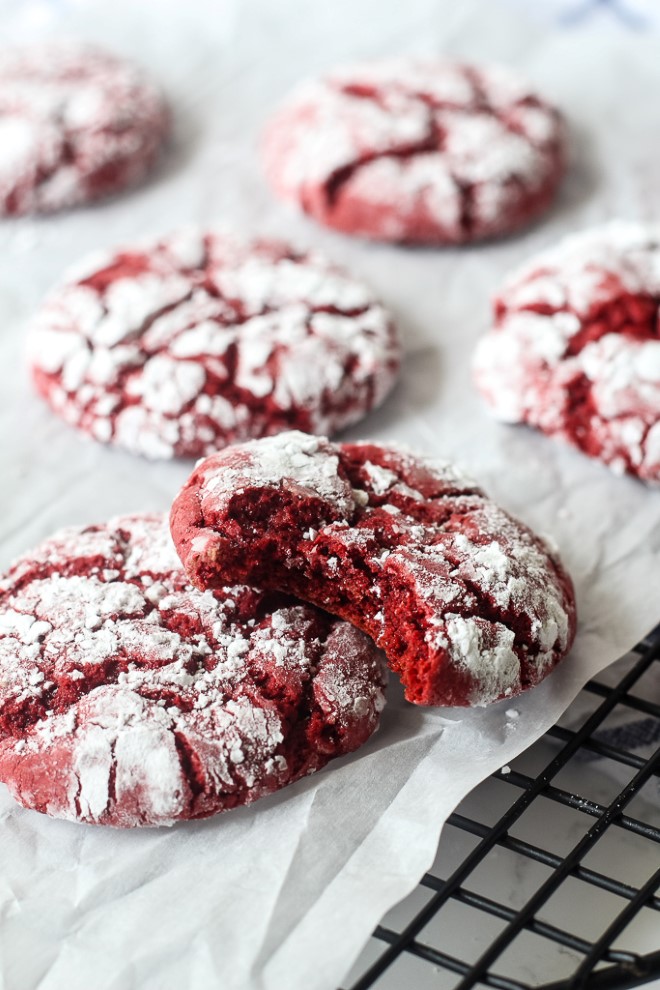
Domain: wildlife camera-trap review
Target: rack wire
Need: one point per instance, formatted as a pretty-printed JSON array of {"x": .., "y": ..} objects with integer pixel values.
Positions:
[{"x": 609, "y": 736}]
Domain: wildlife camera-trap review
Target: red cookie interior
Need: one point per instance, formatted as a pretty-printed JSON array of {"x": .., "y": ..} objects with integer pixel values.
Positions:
[{"x": 467, "y": 603}]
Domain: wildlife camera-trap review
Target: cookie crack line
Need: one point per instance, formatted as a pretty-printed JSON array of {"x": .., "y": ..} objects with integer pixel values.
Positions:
[
  {"x": 233, "y": 695},
  {"x": 468, "y": 604},
  {"x": 632, "y": 316},
  {"x": 432, "y": 141},
  {"x": 334, "y": 183},
  {"x": 338, "y": 180}
]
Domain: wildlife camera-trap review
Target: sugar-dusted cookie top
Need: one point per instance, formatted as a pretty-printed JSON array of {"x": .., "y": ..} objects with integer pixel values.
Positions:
[
  {"x": 417, "y": 150},
  {"x": 177, "y": 346},
  {"x": 127, "y": 697}
]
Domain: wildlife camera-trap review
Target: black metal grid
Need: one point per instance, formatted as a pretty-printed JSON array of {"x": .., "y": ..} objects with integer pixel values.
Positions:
[{"x": 604, "y": 960}]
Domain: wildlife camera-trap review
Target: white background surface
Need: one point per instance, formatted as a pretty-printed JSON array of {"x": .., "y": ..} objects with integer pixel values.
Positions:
[{"x": 284, "y": 894}]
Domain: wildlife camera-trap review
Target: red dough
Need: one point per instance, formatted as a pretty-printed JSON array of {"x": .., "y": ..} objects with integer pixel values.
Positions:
[
  {"x": 129, "y": 698},
  {"x": 468, "y": 604},
  {"x": 575, "y": 346},
  {"x": 418, "y": 151},
  {"x": 76, "y": 124},
  {"x": 179, "y": 346}
]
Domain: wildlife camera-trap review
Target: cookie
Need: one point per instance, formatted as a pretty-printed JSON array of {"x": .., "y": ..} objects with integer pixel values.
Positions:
[
  {"x": 418, "y": 151},
  {"x": 467, "y": 603},
  {"x": 574, "y": 347},
  {"x": 179, "y": 346},
  {"x": 76, "y": 124},
  {"x": 129, "y": 698}
]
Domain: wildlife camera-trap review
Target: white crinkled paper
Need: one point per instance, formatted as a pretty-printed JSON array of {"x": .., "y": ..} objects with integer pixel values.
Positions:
[{"x": 285, "y": 893}]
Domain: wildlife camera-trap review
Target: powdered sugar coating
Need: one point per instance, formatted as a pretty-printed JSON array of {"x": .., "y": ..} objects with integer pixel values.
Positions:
[
  {"x": 179, "y": 346},
  {"x": 575, "y": 346},
  {"x": 76, "y": 124},
  {"x": 417, "y": 150},
  {"x": 468, "y": 604},
  {"x": 129, "y": 698}
]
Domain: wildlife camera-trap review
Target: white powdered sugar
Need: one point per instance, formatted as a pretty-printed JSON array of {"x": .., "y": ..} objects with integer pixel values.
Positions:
[
  {"x": 486, "y": 651},
  {"x": 201, "y": 339},
  {"x": 434, "y": 149},
  {"x": 167, "y": 385},
  {"x": 76, "y": 123},
  {"x": 146, "y": 693},
  {"x": 23, "y": 142},
  {"x": 381, "y": 478},
  {"x": 576, "y": 349},
  {"x": 292, "y": 461}
]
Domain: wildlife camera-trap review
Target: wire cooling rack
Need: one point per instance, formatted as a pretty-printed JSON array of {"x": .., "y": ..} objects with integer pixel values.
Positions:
[{"x": 580, "y": 897}]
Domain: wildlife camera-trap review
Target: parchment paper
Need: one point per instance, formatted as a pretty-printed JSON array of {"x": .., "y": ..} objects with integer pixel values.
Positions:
[{"x": 285, "y": 893}]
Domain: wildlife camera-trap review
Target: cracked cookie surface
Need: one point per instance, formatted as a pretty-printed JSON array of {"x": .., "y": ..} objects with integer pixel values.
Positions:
[
  {"x": 468, "y": 604},
  {"x": 178, "y": 346},
  {"x": 574, "y": 349},
  {"x": 129, "y": 698},
  {"x": 417, "y": 151},
  {"x": 76, "y": 124}
]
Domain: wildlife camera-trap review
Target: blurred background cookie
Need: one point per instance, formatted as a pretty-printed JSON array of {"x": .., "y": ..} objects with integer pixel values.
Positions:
[
  {"x": 76, "y": 124},
  {"x": 421, "y": 151}
]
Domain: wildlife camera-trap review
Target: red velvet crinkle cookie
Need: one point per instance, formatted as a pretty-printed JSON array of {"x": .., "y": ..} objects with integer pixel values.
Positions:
[
  {"x": 76, "y": 123},
  {"x": 575, "y": 346},
  {"x": 181, "y": 345},
  {"x": 467, "y": 603},
  {"x": 418, "y": 151},
  {"x": 129, "y": 698}
]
